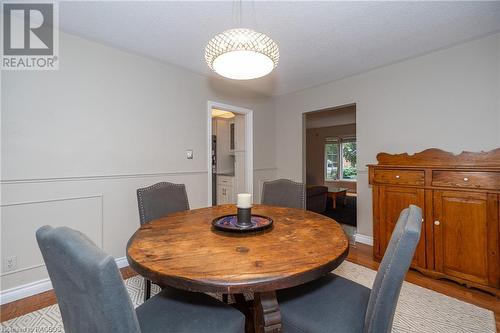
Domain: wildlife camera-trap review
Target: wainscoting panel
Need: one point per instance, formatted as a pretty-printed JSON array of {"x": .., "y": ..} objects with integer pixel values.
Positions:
[{"x": 20, "y": 220}]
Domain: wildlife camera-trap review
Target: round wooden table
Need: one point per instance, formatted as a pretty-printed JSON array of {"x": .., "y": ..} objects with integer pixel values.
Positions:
[{"x": 183, "y": 251}]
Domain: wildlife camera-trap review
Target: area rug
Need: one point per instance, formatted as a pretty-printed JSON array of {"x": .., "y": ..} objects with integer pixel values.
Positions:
[{"x": 419, "y": 309}]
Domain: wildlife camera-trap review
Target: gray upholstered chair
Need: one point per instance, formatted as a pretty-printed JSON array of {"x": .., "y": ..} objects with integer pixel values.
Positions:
[
  {"x": 336, "y": 304},
  {"x": 284, "y": 193},
  {"x": 92, "y": 296},
  {"x": 161, "y": 199},
  {"x": 157, "y": 201}
]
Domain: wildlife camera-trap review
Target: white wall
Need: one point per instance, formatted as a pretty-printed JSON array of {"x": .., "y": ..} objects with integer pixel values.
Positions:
[
  {"x": 448, "y": 99},
  {"x": 78, "y": 142},
  {"x": 498, "y": 86},
  {"x": 336, "y": 117}
]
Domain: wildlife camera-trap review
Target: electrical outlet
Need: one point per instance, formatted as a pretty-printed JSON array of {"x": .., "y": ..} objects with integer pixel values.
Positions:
[
  {"x": 10, "y": 264},
  {"x": 189, "y": 154}
]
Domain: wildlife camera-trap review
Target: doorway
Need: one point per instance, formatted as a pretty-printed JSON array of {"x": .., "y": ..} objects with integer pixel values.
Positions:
[
  {"x": 330, "y": 162},
  {"x": 230, "y": 152}
]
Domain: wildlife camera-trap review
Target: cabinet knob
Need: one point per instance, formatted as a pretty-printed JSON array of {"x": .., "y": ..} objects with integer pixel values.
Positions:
[
  {"x": 437, "y": 223},
  {"x": 397, "y": 176},
  {"x": 466, "y": 179}
]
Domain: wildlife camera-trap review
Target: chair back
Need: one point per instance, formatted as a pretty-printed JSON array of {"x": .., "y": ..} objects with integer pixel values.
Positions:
[
  {"x": 284, "y": 193},
  {"x": 161, "y": 199},
  {"x": 390, "y": 276},
  {"x": 89, "y": 288}
]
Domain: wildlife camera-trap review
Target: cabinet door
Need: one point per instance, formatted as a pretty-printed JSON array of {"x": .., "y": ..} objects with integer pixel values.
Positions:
[
  {"x": 221, "y": 195},
  {"x": 392, "y": 200},
  {"x": 231, "y": 197},
  {"x": 466, "y": 235}
]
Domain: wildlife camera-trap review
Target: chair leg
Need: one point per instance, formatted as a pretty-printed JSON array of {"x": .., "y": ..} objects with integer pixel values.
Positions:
[{"x": 147, "y": 289}]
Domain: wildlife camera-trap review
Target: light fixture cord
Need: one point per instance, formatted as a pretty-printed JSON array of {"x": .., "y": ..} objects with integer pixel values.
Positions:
[
  {"x": 238, "y": 16},
  {"x": 254, "y": 15}
]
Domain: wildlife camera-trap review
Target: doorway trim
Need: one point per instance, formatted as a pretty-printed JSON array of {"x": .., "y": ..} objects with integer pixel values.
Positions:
[
  {"x": 248, "y": 144},
  {"x": 304, "y": 132}
]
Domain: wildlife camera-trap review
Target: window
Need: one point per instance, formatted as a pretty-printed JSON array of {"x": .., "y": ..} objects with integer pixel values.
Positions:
[
  {"x": 349, "y": 170},
  {"x": 340, "y": 159},
  {"x": 331, "y": 159}
]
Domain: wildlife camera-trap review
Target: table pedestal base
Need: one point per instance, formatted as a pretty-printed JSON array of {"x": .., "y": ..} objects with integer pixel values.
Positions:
[
  {"x": 266, "y": 313},
  {"x": 262, "y": 314}
]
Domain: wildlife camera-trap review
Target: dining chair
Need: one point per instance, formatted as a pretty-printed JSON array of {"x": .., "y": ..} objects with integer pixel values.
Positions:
[
  {"x": 161, "y": 199},
  {"x": 157, "y": 201},
  {"x": 92, "y": 296},
  {"x": 284, "y": 193},
  {"x": 335, "y": 304}
]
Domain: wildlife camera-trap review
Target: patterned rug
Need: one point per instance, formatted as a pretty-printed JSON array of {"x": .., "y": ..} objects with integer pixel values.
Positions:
[{"x": 419, "y": 309}]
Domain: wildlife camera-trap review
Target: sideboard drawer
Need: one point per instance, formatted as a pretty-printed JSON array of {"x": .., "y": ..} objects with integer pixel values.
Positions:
[
  {"x": 467, "y": 179},
  {"x": 403, "y": 177}
]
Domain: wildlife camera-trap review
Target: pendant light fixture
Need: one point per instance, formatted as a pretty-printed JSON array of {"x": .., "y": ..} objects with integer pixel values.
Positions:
[{"x": 241, "y": 53}]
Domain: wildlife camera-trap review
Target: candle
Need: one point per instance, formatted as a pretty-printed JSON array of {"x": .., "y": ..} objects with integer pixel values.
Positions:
[{"x": 244, "y": 200}]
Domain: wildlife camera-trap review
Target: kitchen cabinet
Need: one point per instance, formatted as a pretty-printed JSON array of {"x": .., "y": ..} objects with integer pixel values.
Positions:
[{"x": 225, "y": 190}]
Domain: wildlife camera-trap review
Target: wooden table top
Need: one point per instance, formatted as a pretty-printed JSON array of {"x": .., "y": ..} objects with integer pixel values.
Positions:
[
  {"x": 334, "y": 189},
  {"x": 182, "y": 250}
]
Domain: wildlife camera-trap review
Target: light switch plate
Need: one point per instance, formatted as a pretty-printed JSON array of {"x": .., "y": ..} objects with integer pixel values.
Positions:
[{"x": 189, "y": 154}]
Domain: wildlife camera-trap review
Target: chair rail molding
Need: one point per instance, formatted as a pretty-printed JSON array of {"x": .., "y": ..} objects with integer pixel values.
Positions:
[
  {"x": 265, "y": 169},
  {"x": 100, "y": 177}
]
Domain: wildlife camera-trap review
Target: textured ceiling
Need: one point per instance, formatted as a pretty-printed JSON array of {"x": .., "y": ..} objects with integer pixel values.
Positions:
[{"x": 319, "y": 41}]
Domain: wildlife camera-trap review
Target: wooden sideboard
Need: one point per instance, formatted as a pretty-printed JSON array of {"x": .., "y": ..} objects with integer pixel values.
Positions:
[{"x": 459, "y": 196}]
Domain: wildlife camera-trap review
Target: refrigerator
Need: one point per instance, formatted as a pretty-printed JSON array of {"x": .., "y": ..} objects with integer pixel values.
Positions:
[{"x": 214, "y": 170}]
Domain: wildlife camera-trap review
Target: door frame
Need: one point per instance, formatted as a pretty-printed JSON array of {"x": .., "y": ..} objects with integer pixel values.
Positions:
[
  {"x": 304, "y": 132},
  {"x": 248, "y": 144}
]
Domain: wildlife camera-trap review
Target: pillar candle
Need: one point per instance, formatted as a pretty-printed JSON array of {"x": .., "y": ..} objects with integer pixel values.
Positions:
[{"x": 244, "y": 200}]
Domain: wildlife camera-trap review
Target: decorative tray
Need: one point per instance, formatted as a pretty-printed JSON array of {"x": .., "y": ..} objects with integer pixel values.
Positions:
[{"x": 229, "y": 223}]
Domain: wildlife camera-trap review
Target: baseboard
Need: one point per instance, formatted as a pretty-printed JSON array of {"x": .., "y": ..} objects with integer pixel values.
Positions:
[
  {"x": 121, "y": 262},
  {"x": 368, "y": 240},
  {"x": 25, "y": 290},
  {"x": 37, "y": 287}
]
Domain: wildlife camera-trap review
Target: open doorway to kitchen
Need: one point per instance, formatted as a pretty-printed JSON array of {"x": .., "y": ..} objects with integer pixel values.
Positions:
[
  {"x": 331, "y": 164},
  {"x": 230, "y": 153}
]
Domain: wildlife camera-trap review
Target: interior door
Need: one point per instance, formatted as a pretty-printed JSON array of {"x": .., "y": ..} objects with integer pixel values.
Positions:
[
  {"x": 466, "y": 235},
  {"x": 392, "y": 201}
]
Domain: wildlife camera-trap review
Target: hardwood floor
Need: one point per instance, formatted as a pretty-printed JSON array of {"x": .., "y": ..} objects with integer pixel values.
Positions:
[{"x": 360, "y": 254}]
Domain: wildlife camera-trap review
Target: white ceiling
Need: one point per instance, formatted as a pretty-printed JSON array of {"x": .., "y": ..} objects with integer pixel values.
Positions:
[{"x": 319, "y": 41}]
